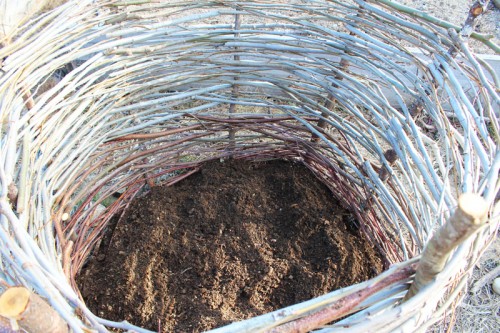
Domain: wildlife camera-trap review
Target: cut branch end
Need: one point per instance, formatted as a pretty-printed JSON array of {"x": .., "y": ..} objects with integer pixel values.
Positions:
[
  {"x": 30, "y": 312},
  {"x": 474, "y": 206}
]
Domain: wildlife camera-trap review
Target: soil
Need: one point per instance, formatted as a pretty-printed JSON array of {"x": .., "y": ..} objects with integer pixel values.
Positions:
[{"x": 230, "y": 242}]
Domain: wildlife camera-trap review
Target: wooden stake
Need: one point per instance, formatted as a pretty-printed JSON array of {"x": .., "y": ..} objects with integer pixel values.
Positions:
[
  {"x": 30, "y": 311},
  {"x": 470, "y": 216}
]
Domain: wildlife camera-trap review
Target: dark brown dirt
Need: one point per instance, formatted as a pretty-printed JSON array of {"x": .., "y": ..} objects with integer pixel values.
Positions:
[{"x": 235, "y": 240}]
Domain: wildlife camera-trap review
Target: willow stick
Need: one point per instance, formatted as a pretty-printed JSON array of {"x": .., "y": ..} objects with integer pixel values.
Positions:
[
  {"x": 23, "y": 182},
  {"x": 470, "y": 216},
  {"x": 342, "y": 307},
  {"x": 235, "y": 88}
]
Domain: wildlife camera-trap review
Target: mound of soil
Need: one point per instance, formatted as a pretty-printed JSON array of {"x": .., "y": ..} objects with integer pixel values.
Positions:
[{"x": 233, "y": 241}]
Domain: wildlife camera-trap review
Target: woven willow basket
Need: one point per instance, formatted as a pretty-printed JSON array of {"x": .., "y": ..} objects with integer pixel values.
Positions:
[{"x": 384, "y": 104}]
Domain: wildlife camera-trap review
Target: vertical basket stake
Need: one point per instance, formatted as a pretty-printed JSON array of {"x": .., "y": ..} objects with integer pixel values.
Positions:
[
  {"x": 468, "y": 217},
  {"x": 331, "y": 101},
  {"x": 234, "y": 93}
]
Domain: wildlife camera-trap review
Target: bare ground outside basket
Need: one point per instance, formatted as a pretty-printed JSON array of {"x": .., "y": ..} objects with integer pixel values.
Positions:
[{"x": 153, "y": 90}]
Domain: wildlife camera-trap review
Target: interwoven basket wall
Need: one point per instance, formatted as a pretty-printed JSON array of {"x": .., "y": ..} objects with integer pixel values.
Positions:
[{"x": 370, "y": 98}]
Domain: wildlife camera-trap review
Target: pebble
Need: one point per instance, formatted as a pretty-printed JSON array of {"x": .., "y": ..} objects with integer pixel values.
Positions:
[{"x": 496, "y": 285}]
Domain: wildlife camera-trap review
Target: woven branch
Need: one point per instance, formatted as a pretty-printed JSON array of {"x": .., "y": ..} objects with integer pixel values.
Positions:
[{"x": 100, "y": 98}]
